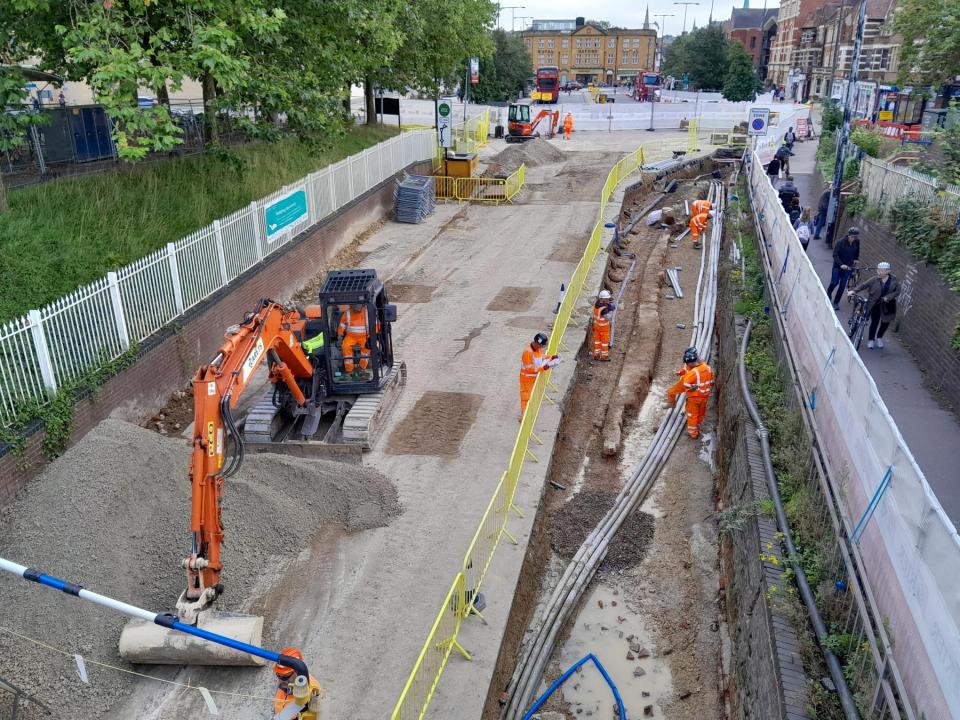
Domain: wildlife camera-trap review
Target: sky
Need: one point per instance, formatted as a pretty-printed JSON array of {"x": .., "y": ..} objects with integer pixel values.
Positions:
[{"x": 625, "y": 13}]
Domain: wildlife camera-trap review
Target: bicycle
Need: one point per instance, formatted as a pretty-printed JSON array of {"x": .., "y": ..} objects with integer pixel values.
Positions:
[
  {"x": 854, "y": 278},
  {"x": 858, "y": 319}
]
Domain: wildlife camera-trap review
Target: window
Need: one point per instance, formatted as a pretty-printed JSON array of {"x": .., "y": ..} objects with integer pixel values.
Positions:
[
  {"x": 626, "y": 59},
  {"x": 636, "y": 42},
  {"x": 565, "y": 43},
  {"x": 612, "y": 43},
  {"x": 753, "y": 42},
  {"x": 636, "y": 59},
  {"x": 596, "y": 43},
  {"x": 550, "y": 44},
  {"x": 564, "y": 59},
  {"x": 609, "y": 58},
  {"x": 819, "y": 85},
  {"x": 578, "y": 42}
]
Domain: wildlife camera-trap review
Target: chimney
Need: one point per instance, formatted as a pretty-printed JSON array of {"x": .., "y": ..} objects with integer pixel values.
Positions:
[{"x": 580, "y": 22}]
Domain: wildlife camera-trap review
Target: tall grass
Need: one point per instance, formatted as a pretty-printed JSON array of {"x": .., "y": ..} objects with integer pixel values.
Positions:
[{"x": 63, "y": 234}]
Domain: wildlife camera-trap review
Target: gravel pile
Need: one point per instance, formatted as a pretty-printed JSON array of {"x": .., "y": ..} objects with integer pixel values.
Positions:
[
  {"x": 531, "y": 153},
  {"x": 577, "y": 519},
  {"x": 113, "y": 514}
]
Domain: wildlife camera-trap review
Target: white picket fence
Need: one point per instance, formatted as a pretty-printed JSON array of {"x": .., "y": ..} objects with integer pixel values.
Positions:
[
  {"x": 884, "y": 184},
  {"x": 47, "y": 348}
]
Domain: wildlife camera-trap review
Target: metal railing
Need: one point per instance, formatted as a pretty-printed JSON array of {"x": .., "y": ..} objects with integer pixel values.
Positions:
[
  {"x": 884, "y": 184},
  {"x": 48, "y": 348},
  {"x": 480, "y": 189},
  {"x": 442, "y": 639}
]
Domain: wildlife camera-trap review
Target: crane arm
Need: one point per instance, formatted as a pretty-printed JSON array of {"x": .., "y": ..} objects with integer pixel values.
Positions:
[
  {"x": 554, "y": 116},
  {"x": 272, "y": 332}
]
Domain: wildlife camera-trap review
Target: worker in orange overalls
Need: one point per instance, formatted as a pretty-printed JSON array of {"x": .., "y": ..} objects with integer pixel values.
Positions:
[
  {"x": 567, "y": 126},
  {"x": 700, "y": 206},
  {"x": 284, "y": 694},
  {"x": 697, "y": 224},
  {"x": 354, "y": 331},
  {"x": 532, "y": 362},
  {"x": 602, "y": 317},
  {"x": 696, "y": 380}
]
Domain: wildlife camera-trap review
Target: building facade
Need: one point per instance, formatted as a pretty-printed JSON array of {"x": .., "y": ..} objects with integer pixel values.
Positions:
[
  {"x": 754, "y": 28},
  {"x": 790, "y": 22},
  {"x": 590, "y": 53}
]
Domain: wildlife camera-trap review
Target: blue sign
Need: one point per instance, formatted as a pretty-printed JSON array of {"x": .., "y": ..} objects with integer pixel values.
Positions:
[
  {"x": 287, "y": 211},
  {"x": 759, "y": 119}
]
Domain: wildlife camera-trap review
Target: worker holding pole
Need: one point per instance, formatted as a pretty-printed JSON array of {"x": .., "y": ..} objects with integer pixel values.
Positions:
[
  {"x": 532, "y": 362},
  {"x": 696, "y": 380}
]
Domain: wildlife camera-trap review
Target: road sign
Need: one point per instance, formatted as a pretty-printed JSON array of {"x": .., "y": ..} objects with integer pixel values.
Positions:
[
  {"x": 801, "y": 127},
  {"x": 445, "y": 122},
  {"x": 759, "y": 119},
  {"x": 282, "y": 213}
]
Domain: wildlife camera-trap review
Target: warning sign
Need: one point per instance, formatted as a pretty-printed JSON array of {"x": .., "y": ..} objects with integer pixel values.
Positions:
[{"x": 759, "y": 119}]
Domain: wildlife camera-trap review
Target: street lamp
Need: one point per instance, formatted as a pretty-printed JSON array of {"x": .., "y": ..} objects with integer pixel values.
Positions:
[
  {"x": 656, "y": 52},
  {"x": 685, "y": 4},
  {"x": 513, "y": 11},
  {"x": 661, "y": 26}
]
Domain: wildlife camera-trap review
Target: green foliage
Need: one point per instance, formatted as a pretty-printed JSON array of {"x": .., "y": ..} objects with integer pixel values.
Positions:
[
  {"x": 13, "y": 125},
  {"x": 827, "y": 154},
  {"x": 832, "y": 116},
  {"x": 503, "y": 76},
  {"x": 60, "y": 235},
  {"x": 856, "y": 204},
  {"x": 869, "y": 141},
  {"x": 949, "y": 143},
  {"x": 930, "y": 53},
  {"x": 741, "y": 82},
  {"x": 702, "y": 54}
]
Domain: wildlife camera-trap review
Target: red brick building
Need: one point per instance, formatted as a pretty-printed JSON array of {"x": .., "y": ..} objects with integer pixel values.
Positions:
[
  {"x": 791, "y": 19},
  {"x": 755, "y": 29}
]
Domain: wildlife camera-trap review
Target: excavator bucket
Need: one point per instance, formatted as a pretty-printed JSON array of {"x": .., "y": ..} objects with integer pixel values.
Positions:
[{"x": 146, "y": 643}]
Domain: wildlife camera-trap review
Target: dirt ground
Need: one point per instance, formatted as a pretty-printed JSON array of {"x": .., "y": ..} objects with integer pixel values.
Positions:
[{"x": 663, "y": 599}]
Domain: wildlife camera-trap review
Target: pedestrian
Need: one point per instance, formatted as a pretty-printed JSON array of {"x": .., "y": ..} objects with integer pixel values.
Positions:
[
  {"x": 783, "y": 95},
  {"x": 793, "y": 212},
  {"x": 62, "y": 99},
  {"x": 784, "y": 153},
  {"x": 567, "y": 126},
  {"x": 602, "y": 318},
  {"x": 773, "y": 170},
  {"x": 787, "y": 191},
  {"x": 882, "y": 292},
  {"x": 696, "y": 380},
  {"x": 846, "y": 253},
  {"x": 804, "y": 228},
  {"x": 532, "y": 362},
  {"x": 822, "y": 207},
  {"x": 789, "y": 138},
  {"x": 697, "y": 225}
]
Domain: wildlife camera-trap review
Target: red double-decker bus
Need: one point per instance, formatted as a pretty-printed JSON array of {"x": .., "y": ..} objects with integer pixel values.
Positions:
[
  {"x": 548, "y": 84},
  {"x": 646, "y": 85}
]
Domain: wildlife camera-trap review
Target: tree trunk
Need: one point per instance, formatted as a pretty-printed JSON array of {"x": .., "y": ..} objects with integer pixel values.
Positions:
[
  {"x": 163, "y": 95},
  {"x": 369, "y": 104},
  {"x": 346, "y": 103},
  {"x": 212, "y": 135},
  {"x": 3, "y": 197}
]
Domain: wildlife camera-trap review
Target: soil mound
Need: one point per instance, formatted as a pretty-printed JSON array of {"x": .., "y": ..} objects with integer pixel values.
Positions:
[
  {"x": 577, "y": 519},
  {"x": 113, "y": 514},
  {"x": 532, "y": 153}
]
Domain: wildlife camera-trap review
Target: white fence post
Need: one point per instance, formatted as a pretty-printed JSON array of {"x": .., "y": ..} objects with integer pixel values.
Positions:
[
  {"x": 333, "y": 190},
  {"x": 256, "y": 230},
  {"x": 221, "y": 256},
  {"x": 43, "y": 352},
  {"x": 175, "y": 277},
  {"x": 118, "y": 317}
]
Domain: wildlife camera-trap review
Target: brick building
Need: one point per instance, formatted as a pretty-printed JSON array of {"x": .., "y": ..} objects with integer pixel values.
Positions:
[
  {"x": 590, "y": 53},
  {"x": 790, "y": 23},
  {"x": 754, "y": 28}
]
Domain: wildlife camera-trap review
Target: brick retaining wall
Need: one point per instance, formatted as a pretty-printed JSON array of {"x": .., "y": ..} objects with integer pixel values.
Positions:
[{"x": 169, "y": 359}]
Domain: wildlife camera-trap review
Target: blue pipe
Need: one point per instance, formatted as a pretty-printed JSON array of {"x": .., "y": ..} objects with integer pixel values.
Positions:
[{"x": 563, "y": 678}]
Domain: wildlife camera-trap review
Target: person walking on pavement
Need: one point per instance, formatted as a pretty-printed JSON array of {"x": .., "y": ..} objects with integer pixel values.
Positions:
[
  {"x": 773, "y": 170},
  {"x": 784, "y": 153},
  {"x": 602, "y": 318},
  {"x": 697, "y": 224},
  {"x": 822, "y": 206},
  {"x": 804, "y": 228},
  {"x": 696, "y": 380},
  {"x": 846, "y": 253},
  {"x": 882, "y": 291},
  {"x": 787, "y": 192},
  {"x": 532, "y": 362},
  {"x": 567, "y": 126},
  {"x": 789, "y": 138}
]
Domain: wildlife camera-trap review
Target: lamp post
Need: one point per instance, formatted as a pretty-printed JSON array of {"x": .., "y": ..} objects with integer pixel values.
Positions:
[
  {"x": 661, "y": 26},
  {"x": 656, "y": 52},
  {"x": 513, "y": 12},
  {"x": 685, "y": 4}
]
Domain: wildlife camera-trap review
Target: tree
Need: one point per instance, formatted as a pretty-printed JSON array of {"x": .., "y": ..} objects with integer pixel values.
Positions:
[
  {"x": 701, "y": 54},
  {"x": 741, "y": 82},
  {"x": 503, "y": 76},
  {"x": 15, "y": 120},
  {"x": 930, "y": 53}
]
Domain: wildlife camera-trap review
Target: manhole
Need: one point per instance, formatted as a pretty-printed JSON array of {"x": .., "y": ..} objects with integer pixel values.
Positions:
[
  {"x": 435, "y": 425},
  {"x": 514, "y": 299}
]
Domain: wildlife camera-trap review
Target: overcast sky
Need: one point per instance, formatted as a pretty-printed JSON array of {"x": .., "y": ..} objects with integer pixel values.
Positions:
[{"x": 625, "y": 13}]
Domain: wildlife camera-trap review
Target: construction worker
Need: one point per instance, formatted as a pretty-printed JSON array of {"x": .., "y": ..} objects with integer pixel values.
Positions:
[
  {"x": 696, "y": 380},
  {"x": 353, "y": 331},
  {"x": 285, "y": 678},
  {"x": 567, "y": 126},
  {"x": 697, "y": 224},
  {"x": 701, "y": 205},
  {"x": 602, "y": 317},
  {"x": 532, "y": 362}
]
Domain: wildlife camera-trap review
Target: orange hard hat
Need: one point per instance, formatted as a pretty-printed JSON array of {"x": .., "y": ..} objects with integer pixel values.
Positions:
[{"x": 282, "y": 671}]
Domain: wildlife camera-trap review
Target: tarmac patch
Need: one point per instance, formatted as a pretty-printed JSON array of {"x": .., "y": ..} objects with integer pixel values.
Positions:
[
  {"x": 408, "y": 293},
  {"x": 514, "y": 299},
  {"x": 435, "y": 425}
]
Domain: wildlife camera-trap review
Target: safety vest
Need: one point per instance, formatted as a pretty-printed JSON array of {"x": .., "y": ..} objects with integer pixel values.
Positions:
[
  {"x": 599, "y": 319},
  {"x": 700, "y": 206},
  {"x": 354, "y": 323},
  {"x": 700, "y": 220},
  {"x": 531, "y": 362},
  {"x": 698, "y": 382},
  {"x": 568, "y": 123}
]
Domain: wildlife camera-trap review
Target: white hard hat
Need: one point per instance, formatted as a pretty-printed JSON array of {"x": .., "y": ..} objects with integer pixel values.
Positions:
[
  {"x": 604, "y": 295},
  {"x": 883, "y": 266}
]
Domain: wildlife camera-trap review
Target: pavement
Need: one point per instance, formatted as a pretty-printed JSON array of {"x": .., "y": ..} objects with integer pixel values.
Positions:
[
  {"x": 360, "y": 606},
  {"x": 930, "y": 431}
]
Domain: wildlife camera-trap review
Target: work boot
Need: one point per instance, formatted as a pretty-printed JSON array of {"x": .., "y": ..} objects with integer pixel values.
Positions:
[{"x": 697, "y": 245}]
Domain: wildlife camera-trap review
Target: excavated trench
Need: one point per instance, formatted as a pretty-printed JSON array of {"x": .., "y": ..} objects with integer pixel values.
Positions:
[{"x": 633, "y": 616}]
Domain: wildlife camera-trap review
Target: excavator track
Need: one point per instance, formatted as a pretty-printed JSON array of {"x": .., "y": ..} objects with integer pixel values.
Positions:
[{"x": 364, "y": 423}]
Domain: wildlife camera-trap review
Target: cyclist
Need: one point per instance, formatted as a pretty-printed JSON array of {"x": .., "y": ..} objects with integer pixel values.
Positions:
[
  {"x": 845, "y": 255},
  {"x": 881, "y": 294}
]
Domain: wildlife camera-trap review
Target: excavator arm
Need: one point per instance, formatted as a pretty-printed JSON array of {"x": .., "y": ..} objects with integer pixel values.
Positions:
[
  {"x": 271, "y": 333},
  {"x": 554, "y": 121}
]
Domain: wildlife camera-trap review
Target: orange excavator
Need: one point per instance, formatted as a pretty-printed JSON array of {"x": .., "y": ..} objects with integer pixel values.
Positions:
[
  {"x": 310, "y": 380},
  {"x": 520, "y": 128}
]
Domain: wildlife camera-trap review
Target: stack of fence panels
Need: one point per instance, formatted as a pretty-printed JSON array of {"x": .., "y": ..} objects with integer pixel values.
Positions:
[{"x": 414, "y": 198}]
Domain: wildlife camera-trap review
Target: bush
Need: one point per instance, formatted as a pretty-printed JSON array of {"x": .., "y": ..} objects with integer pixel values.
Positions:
[
  {"x": 832, "y": 116},
  {"x": 870, "y": 141}
]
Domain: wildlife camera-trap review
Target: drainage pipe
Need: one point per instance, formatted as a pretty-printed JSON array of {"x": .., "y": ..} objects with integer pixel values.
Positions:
[{"x": 819, "y": 627}]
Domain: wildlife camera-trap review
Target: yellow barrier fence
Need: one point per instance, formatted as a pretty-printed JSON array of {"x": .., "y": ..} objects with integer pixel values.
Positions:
[
  {"x": 472, "y": 133},
  {"x": 458, "y": 604},
  {"x": 480, "y": 189}
]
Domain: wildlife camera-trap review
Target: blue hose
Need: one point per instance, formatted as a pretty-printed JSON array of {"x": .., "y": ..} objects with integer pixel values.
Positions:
[{"x": 563, "y": 678}]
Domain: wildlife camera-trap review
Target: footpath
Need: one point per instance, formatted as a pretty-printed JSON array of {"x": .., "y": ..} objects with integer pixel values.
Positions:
[{"x": 930, "y": 431}]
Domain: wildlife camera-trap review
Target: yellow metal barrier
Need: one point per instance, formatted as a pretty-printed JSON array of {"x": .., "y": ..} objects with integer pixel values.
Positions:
[
  {"x": 458, "y": 604},
  {"x": 480, "y": 189},
  {"x": 445, "y": 188}
]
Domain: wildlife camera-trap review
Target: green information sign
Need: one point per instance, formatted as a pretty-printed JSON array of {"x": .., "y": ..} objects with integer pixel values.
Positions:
[{"x": 287, "y": 211}]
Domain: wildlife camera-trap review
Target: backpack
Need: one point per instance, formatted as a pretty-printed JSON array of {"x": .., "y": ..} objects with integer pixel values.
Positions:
[{"x": 804, "y": 234}]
